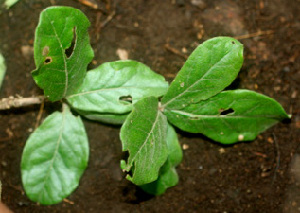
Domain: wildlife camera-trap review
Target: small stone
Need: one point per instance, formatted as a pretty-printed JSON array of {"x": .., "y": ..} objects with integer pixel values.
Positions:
[
  {"x": 199, "y": 3},
  {"x": 4, "y": 164},
  {"x": 123, "y": 54},
  {"x": 222, "y": 150},
  {"x": 27, "y": 51},
  {"x": 185, "y": 146},
  {"x": 286, "y": 69}
]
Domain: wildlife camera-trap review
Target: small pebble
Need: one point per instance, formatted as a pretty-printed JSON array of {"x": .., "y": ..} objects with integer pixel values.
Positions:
[
  {"x": 185, "y": 146},
  {"x": 199, "y": 3}
]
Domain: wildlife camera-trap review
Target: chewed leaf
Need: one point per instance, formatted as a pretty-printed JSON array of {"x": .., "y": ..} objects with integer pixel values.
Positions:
[
  {"x": 61, "y": 51},
  {"x": 230, "y": 116},
  {"x": 210, "y": 68},
  {"x": 54, "y": 158},
  {"x": 144, "y": 136},
  {"x": 114, "y": 86},
  {"x": 168, "y": 176}
]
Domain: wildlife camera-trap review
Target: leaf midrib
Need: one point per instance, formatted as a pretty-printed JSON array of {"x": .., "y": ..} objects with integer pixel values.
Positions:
[
  {"x": 196, "y": 82},
  {"x": 54, "y": 154},
  {"x": 104, "y": 89},
  {"x": 222, "y": 116},
  {"x": 145, "y": 142},
  {"x": 63, "y": 56}
]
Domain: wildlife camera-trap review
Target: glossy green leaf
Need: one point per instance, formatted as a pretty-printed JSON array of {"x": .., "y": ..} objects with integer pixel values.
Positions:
[
  {"x": 168, "y": 176},
  {"x": 62, "y": 51},
  {"x": 144, "y": 136},
  {"x": 111, "y": 87},
  {"x": 2, "y": 69},
  {"x": 211, "y": 67},
  {"x": 54, "y": 158},
  {"x": 230, "y": 116}
]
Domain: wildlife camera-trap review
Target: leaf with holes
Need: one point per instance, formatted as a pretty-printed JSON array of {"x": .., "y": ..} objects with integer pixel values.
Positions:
[
  {"x": 61, "y": 51},
  {"x": 168, "y": 176},
  {"x": 54, "y": 158},
  {"x": 210, "y": 68},
  {"x": 144, "y": 136},
  {"x": 111, "y": 87},
  {"x": 230, "y": 116}
]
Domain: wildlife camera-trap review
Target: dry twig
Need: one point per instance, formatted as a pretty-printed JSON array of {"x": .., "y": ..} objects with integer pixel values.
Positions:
[
  {"x": 251, "y": 35},
  {"x": 13, "y": 102},
  {"x": 175, "y": 51},
  {"x": 90, "y": 3},
  {"x": 39, "y": 116},
  {"x": 108, "y": 19}
]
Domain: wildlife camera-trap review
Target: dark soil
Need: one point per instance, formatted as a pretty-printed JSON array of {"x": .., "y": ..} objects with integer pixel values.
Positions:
[{"x": 260, "y": 176}]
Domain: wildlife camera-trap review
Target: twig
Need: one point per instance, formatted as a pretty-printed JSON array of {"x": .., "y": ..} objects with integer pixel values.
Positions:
[
  {"x": 39, "y": 116},
  {"x": 108, "y": 19},
  {"x": 90, "y": 3},
  {"x": 68, "y": 201},
  {"x": 251, "y": 35},
  {"x": 175, "y": 51},
  {"x": 277, "y": 159},
  {"x": 12, "y": 102}
]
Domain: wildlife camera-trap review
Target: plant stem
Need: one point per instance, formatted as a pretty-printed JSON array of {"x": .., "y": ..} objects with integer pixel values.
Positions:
[{"x": 16, "y": 102}]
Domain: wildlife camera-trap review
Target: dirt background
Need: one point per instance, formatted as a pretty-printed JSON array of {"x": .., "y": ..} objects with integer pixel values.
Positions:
[{"x": 260, "y": 176}]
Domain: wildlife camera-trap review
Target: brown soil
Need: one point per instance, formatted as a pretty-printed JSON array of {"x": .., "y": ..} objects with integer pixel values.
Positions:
[{"x": 260, "y": 176}]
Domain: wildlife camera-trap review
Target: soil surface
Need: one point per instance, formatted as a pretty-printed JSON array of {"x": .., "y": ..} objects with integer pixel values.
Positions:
[{"x": 259, "y": 176}]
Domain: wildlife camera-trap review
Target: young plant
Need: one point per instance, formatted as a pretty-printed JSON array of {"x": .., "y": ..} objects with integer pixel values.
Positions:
[{"x": 56, "y": 153}]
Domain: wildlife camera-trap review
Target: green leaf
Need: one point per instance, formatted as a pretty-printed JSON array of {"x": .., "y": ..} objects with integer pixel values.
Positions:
[
  {"x": 175, "y": 151},
  {"x": 230, "y": 116},
  {"x": 54, "y": 158},
  {"x": 2, "y": 69},
  {"x": 144, "y": 136},
  {"x": 210, "y": 68},
  {"x": 9, "y": 3},
  {"x": 112, "y": 86},
  {"x": 168, "y": 176},
  {"x": 62, "y": 51}
]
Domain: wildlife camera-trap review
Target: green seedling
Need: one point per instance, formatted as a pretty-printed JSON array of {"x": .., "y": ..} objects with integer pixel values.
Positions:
[{"x": 130, "y": 93}]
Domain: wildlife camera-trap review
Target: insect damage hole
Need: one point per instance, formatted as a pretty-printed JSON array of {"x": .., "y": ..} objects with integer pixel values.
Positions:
[
  {"x": 48, "y": 60},
  {"x": 126, "y": 100},
  {"x": 226, "y": 111},
  {"x": 70, "y": 50}
]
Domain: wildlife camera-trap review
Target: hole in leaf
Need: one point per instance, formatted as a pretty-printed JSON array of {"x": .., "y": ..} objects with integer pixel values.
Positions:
[
  {"x": 70, "y": 50},
  {"x": 48, "y": 60},
  {"x": 126, "y": 99},
  {"x": 226, "y": 112},
  {"x": 233, "y": 42}
]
